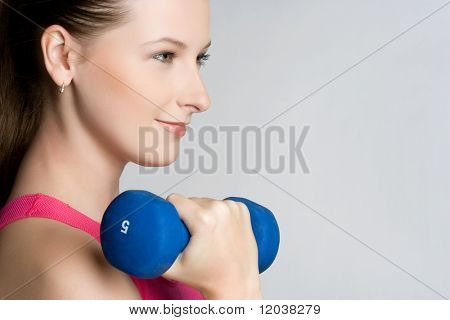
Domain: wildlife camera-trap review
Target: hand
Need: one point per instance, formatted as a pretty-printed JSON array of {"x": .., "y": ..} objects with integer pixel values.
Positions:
[{"x": 221, "y": 258}]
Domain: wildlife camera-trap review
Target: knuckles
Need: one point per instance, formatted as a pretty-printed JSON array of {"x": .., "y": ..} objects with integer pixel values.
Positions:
[
  {"x": 216, "y": 211},
  {"x": 213, "y": 212},
  {"x": 219, "y": 207},
  {"x": 207, "y": 219},
  {"x": 171, "y": 197},
  {"x": 232, "y": 204}
]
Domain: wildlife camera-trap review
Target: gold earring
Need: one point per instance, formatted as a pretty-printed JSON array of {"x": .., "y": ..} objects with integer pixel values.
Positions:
[{"x": 61, "y": 89}]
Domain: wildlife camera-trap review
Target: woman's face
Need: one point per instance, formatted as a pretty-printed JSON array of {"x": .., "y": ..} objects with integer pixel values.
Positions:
[{"x": 131, "y": 82}]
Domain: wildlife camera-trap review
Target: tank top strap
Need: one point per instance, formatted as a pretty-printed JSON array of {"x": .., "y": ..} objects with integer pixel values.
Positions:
[{"x": 44, "y": 206}]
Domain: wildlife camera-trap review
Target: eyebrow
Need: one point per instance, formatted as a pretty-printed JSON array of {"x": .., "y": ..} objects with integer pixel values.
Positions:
[{"x": 174, "y": 41}]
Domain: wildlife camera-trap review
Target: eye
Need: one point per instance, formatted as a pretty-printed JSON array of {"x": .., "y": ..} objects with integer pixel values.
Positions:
[
  {"x": 164, "y": 55},
  {"x": 201, "y": 60},
  {"x": 167, "y": 57}
]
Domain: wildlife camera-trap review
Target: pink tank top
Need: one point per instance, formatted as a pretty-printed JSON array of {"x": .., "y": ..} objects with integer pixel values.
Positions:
[{"x": 44, "y": 206}]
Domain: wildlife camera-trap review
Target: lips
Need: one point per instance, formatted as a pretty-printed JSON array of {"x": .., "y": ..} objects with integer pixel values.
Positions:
[{"x": 177, "y": 128}]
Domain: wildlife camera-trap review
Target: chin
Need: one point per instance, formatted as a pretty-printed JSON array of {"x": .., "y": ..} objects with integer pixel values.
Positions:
[
  {"x": 156, "y": 164},
  {"x": 159, "y": 160}
]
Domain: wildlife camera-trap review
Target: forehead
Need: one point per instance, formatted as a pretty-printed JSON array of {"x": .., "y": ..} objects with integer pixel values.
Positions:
[{"x": 186, "y": 20}]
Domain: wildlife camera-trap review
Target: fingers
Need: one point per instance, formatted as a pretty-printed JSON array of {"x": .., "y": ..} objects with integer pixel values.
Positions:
[
  {"x": 187, "y": 210},
  {"x": 203, "y": 202},
  {"x": 224, "y": 207}
]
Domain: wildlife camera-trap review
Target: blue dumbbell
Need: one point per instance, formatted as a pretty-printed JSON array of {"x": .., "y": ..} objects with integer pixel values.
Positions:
[{"x": 142, "y": 233}]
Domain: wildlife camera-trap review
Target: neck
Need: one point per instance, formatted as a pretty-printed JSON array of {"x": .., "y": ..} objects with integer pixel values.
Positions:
[{"x": 66, "y": 162}]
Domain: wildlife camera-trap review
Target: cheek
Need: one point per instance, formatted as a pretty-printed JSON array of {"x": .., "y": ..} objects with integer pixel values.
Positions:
[{"x": 115, "y": 110}]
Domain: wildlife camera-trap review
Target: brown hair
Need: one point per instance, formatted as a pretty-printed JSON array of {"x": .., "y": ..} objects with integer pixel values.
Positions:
[{"x": 23, "y": 79}]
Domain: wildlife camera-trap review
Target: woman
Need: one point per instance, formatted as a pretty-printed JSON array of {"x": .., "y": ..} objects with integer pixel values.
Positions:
[{"x": 78, "y": 81}]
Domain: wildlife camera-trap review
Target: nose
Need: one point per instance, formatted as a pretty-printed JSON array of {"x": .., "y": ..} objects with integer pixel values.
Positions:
[{"x": 194, "y": 94}]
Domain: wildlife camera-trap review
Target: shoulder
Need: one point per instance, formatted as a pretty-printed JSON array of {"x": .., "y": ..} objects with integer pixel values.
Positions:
[{"x": 46, "y": 259}]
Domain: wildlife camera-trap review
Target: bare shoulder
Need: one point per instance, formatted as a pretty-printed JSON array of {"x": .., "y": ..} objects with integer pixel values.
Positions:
[{"x": 46, "y": 259}]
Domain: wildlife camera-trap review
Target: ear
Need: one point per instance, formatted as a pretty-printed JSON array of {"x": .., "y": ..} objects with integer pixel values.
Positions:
[{"x": 58, "y": 47}]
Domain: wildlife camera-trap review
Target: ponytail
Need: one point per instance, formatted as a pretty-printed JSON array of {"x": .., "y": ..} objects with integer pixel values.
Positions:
[{"x": 20, "y": 104}]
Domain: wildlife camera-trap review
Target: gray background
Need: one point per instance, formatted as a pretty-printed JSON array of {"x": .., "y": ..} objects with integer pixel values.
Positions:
[{"x": 375, "y": 205}]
